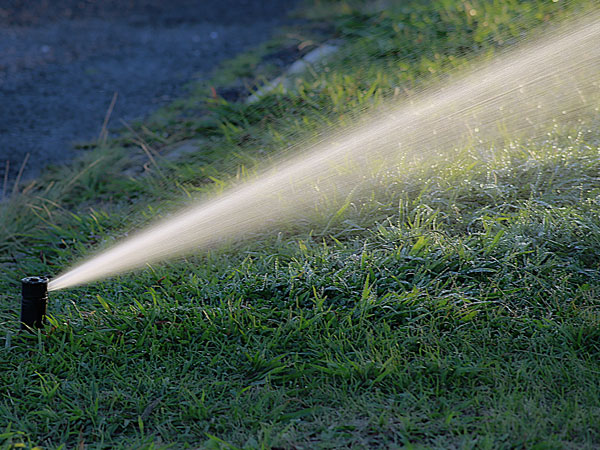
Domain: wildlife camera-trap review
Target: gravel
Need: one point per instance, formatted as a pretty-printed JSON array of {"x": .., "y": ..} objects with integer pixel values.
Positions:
[{"x": 61, "y": 61}]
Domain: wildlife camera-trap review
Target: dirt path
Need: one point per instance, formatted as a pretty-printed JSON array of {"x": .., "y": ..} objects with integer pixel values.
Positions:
[{"x": 62, "y": 60}]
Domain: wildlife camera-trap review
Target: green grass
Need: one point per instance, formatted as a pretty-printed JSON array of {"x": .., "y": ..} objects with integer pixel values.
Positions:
[{"x": 457, "y": 308}]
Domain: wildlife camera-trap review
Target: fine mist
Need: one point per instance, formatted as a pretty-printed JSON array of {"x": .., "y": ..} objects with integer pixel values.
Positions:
[{"x": 553, "y": 79}]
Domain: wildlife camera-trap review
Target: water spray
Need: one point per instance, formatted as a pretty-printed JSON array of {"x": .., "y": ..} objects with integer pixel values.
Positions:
[
  {"x": 549, "y": 81},
  {"x": 34, "y": 302}
]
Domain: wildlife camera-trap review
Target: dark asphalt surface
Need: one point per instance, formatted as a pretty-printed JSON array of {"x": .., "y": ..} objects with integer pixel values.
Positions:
[{"x": 62, "y": 60}]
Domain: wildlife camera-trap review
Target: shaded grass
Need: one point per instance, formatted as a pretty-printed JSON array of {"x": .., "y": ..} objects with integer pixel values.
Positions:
[{"x": 457, "y": 306}]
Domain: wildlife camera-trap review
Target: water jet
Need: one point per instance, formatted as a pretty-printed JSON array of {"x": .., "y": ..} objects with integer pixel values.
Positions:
[
  {"x": 34, "y": 302},
  {"x": 521, "y": 94}
]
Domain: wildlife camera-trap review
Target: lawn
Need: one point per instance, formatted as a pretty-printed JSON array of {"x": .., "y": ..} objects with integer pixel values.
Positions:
[{"x": 455, "y": 306}]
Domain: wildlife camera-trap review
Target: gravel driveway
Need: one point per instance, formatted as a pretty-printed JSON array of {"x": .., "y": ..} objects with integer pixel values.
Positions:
[{"x": 62, "y": 60}]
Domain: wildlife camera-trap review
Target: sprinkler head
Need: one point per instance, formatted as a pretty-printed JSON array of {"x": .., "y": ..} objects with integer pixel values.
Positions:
[{"x": 34, "y": 302}]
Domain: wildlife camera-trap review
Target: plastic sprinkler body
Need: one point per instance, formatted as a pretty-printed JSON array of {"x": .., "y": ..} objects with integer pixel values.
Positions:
[{"x": 34, "y": 302}]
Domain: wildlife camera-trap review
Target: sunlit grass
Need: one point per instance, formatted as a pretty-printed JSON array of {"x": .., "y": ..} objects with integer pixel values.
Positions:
[{"x": 455, "y": 306}]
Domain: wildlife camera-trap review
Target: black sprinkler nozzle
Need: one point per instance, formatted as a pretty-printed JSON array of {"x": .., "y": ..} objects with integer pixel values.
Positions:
[{"x": 34, "y": 302}]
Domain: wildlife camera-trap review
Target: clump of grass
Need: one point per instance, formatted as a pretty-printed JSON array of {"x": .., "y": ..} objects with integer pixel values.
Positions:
[{"x": 455, "y": 305}]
